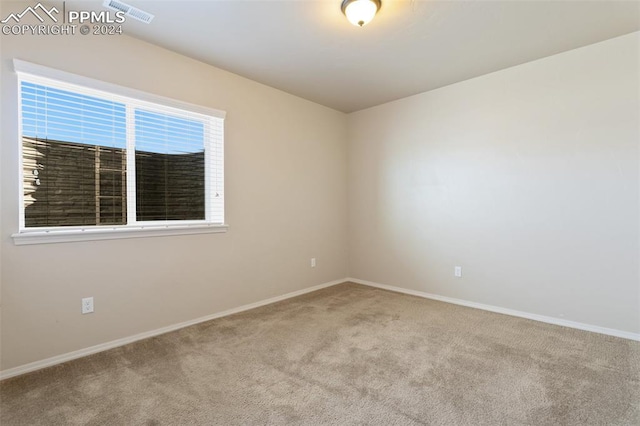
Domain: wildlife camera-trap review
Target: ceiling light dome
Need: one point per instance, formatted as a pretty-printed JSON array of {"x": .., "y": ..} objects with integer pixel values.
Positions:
[{"x": 360, "y": 12}]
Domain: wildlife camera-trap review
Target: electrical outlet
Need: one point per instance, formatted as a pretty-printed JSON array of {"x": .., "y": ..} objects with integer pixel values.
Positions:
[
  {"x": 87, "y": 305},
  {"x": 457, "y": 271},
  {"x": 313, "y": 262}
]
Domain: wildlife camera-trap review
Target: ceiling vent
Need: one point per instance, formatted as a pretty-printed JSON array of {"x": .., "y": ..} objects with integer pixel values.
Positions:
[{"x": 130, "y": 11}]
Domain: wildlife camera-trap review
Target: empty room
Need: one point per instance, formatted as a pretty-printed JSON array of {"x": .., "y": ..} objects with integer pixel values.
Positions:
[{"x": 320, "y": 212}]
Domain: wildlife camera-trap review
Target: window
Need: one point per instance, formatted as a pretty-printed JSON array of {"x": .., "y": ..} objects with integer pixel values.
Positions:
[{"x": 98, "y": 162}]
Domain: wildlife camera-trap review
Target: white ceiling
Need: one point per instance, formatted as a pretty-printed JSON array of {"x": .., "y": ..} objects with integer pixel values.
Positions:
[{"x": 309, "y": 49}]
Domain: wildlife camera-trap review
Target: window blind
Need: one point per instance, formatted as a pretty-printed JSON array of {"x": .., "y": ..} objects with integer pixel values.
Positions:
[
  {"x": 73, "y": 150},
  {"x": 93, "y": 158}
]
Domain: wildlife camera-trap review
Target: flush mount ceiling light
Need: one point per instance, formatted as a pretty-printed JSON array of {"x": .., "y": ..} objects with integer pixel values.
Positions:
[{"x": 360, "y": 12}]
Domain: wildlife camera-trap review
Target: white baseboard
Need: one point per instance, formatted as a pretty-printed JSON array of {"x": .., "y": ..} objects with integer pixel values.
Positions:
[
  {"x": 512, "y": 312},
  {"x": 59, "y": 359}
]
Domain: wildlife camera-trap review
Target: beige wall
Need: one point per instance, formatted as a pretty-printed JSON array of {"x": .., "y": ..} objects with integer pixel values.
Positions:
[
  {"x": 1, "y": 193},
  {"x": 527, "y": 178},
  {"x": 286, "y": 202}
]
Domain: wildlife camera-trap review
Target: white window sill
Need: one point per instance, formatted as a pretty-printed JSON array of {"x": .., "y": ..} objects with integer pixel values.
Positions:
[{"x": 112, "y": 233}]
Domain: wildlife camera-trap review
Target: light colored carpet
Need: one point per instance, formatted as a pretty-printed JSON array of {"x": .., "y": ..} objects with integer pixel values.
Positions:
[{"x": 346, "y": 355}]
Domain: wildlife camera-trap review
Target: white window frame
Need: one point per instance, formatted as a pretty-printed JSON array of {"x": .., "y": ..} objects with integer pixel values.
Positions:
[{"x": 39, "y": 74}]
